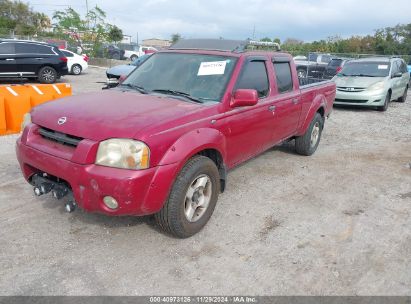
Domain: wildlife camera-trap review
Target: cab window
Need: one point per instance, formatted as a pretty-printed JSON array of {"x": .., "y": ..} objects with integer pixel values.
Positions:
[
  {"x": 254, "y": 76},
  {"x": 283, "y": 77},
  {"x": 7, "y": 48}
]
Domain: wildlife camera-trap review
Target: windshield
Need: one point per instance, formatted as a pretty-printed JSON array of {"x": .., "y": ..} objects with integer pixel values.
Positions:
[
  {"x": 203, "y": 77},
  {"x": 366, "y": 69}
]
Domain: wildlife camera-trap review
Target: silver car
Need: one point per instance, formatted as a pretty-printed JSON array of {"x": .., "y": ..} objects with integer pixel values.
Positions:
[{"x": 372, "y": 82}]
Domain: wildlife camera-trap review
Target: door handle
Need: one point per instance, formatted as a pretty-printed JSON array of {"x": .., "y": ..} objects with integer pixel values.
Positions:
[
  {"x": 295, "y": 100},
  {"x": 271, "y": 108}
]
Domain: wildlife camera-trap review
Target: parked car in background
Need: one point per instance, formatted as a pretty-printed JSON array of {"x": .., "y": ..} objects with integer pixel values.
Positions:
[
  {"x": 164, "y": 140},
  {"x": 334, "y": 67},
  {"x": 30, "y": 59},
  {"x": 314, "y": 66},
  {"x": 137, "y": 51},
  {"x": 110, "y": 51},
  {"x": 373, "y": 82},
  {"x": 409, "y": 66},
  {"x": 123, "y": 70},
  {"x": 76, "y": 63}
]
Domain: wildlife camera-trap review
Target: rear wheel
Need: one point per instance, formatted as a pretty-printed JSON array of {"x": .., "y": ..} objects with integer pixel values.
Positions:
[
  {"x": 47, "y": 74},
  {"x": 302, "y": 73},
  {"x": 192, "y": 199},
  {"x": 384, "y": 107},
  {"x": 403, "y": 98},
  {"x": 307, "y": 144},
  {"x": 133, "y": 57},
  {"x": 76, "y": 69}
]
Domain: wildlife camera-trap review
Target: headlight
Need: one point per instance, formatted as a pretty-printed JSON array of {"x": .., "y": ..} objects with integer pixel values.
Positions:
[
  {"x": 377, "y": 86},
  {"x": 123, "y": 153},
  {"x": 26, "y": 121}
]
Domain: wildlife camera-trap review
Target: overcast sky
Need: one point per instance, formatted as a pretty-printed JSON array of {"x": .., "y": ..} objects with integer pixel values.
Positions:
[{"x": 302, "y": 19}]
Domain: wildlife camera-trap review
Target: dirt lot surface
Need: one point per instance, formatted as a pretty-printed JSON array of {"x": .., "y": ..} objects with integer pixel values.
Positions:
[{"x": 336, "y": 223}]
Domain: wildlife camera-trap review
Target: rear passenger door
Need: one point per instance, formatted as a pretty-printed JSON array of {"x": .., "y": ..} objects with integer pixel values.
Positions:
[
  {"x": 7, "y": 59},
  {"x": 287, "y": 101},
  {"x": 30, "y": 57}
]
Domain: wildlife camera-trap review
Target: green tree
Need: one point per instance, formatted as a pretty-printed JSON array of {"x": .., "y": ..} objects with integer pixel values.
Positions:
[
  {"x": 115, "y": 34},
  {"x": 20, "y": 18},
  {"x": 175, "y": 37},
  {"x": 266, "y": 39}
]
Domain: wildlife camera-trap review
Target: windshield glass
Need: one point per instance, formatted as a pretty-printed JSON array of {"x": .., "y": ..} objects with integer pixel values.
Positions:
[
  {"x": 203, "y": 77},
  {"x": 366, "y": 69}
]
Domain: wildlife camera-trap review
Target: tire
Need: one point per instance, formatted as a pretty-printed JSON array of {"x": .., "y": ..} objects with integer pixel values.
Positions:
[
  {"x": 307, "y": 144},
  {"x": 302, "y": 73},
  {"x": 133, "y": 57},
  {"x": 76, "y": 69},
  {"x": 403, "y": 98},
  {"x": 384, "y": 107},
  {"x": 198, "y": 181},
  {"x": 47, "y": 74},
  {"x": 116, "y": 56}
]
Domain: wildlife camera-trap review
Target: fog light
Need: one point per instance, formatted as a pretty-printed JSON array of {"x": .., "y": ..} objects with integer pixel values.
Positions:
[{"x": 110, "y": 202}]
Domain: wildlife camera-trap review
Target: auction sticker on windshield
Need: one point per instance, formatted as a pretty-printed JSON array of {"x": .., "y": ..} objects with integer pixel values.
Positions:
[
  {"x": 383, "y": 67},
  {"x": 212, "y": 68}
]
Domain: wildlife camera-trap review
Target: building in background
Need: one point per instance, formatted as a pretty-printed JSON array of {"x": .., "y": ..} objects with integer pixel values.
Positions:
[{"x": 157, "y": 43}]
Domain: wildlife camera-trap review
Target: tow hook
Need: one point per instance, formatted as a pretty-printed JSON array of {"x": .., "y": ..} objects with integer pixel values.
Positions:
[
  {"x": 43, "y": 188},
  {"x": 70, "y": 206}
]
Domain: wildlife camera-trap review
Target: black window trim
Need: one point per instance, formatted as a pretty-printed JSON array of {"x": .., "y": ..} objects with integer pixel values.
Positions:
[{"x": 247, "y": 61}]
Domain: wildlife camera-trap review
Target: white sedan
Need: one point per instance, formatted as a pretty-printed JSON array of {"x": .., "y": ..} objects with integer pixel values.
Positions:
[{"x": 75, "y": 63}]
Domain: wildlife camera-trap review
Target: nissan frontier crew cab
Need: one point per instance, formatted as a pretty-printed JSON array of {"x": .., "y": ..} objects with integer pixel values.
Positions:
[{"x": 163, "y": 141}]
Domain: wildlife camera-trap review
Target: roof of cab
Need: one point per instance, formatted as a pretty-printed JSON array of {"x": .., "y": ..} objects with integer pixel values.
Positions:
[{"x": 225, "y": 47}]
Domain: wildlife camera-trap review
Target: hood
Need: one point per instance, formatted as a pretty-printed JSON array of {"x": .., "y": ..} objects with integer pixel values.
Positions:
[
  {"x": 110, "y": 113},
  {"x": 121, "y": 70},
  {"x": 356, "y": 81}
]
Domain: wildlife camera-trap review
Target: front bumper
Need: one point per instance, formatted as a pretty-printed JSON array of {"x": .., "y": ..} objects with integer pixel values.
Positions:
[
  {"x": 364, "y": 98},
  {"x": 138, "y": 192}
]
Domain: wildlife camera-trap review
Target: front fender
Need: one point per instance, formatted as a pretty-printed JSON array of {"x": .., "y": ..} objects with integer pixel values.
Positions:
[
  {"x": 193, "y": 142},
  {"x": 318, "y": 102}
]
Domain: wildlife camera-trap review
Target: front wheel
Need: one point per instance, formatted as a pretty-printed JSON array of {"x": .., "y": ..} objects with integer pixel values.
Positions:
[
  {"x": 403, "y": 98},
  {"x": 384, "y": 107},
  {"x": 307, "y": 144},
  {"x": 133, "y": 57},
  {"x": 192, "y": 199}
]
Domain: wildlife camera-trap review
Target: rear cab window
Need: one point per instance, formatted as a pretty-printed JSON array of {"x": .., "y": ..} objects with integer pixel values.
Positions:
[
  {"x": 283, "y": 77},
  {"x": 254, "y": 76}
]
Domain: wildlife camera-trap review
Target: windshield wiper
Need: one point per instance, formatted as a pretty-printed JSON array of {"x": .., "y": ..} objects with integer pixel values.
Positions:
[
  {"x": 177, "y": 93},
  {"x": 135, "y": 87}
]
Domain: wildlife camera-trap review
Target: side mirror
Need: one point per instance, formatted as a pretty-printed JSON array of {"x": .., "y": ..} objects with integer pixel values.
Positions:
[
  {"x": 397, "y": 75},
  {"x": 244, "y": 98},
  {"x": 122, "y": 78}
]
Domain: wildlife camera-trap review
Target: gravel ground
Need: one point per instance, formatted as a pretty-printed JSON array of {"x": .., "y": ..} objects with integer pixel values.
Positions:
[{"x": 336, "y": 223}]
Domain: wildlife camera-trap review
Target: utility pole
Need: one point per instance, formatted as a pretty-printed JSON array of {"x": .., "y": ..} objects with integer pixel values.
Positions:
[
  {"x": 137, "y": 38},
  {"x": 88, "y": 23},
  {"x": 254, "y": 32}
]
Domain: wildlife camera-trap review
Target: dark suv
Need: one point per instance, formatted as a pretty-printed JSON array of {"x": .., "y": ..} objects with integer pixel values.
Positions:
[
  {"x": 30, "y": 59},
  {"x": 334, "y": 67}
]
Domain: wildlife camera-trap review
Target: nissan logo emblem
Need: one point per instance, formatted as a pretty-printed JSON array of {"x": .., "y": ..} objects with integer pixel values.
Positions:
[{"x": 61, "y": 120}]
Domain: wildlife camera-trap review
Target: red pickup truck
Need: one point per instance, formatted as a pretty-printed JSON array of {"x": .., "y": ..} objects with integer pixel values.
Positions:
[{"x": 163, "y": 141}]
